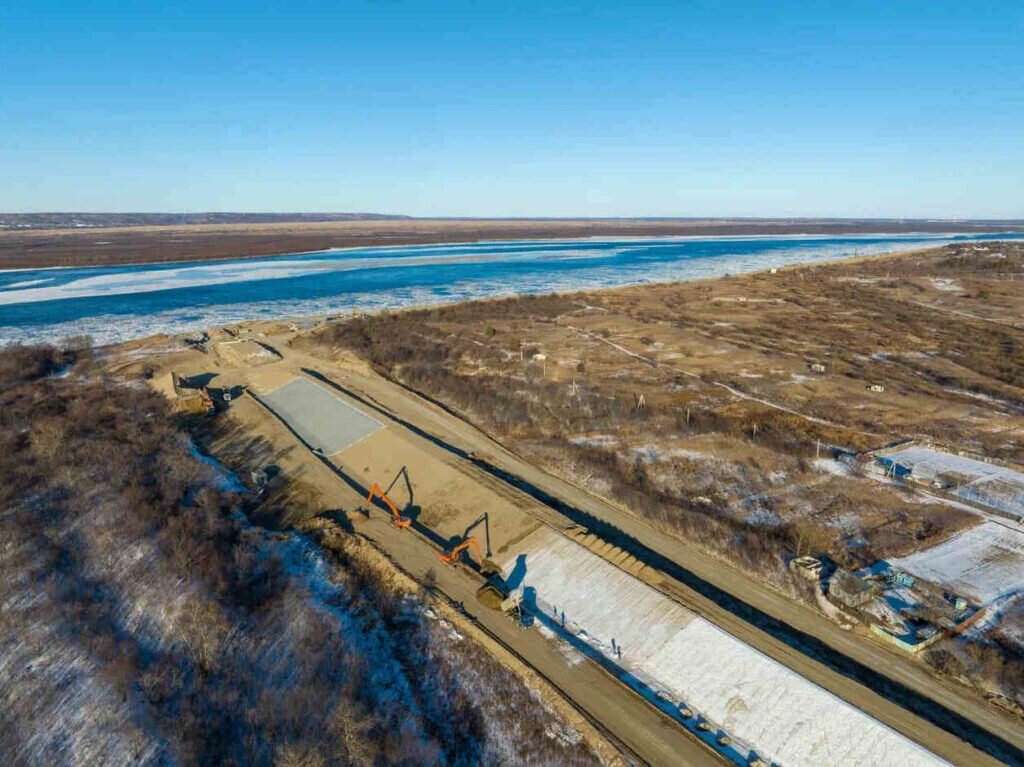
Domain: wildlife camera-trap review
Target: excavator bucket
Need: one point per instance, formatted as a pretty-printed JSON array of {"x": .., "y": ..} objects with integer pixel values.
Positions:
[
  {"x": 489, "y": 567},
  {"x": 492, "y": 593}
]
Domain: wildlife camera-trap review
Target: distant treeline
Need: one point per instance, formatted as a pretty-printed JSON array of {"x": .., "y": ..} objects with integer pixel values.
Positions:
[{"x": 77, "y": 220}]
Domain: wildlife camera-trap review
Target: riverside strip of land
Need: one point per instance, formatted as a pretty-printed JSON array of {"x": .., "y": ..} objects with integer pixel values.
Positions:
[
  {"x": 102, "y": 246},
  {"x": 729, "y": 431}
]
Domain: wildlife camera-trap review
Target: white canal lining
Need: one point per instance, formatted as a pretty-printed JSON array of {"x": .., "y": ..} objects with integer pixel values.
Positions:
[{"x": 759, "y": 702}]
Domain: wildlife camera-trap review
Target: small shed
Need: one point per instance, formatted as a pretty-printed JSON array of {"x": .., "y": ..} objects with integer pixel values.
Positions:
[{"x": 806, "y": 567}]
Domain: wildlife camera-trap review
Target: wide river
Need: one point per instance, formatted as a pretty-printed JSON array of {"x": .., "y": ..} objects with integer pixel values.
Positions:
[{"x": 122, "y": 302}]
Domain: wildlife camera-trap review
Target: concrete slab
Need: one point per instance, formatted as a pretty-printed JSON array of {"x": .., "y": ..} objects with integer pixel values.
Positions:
[
  {"x": 324, "y": 421},
  {"x": 762, "y": 704}
]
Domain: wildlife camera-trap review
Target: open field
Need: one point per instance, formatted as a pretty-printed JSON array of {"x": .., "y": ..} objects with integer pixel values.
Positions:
[{"x": 21, "y": 249}]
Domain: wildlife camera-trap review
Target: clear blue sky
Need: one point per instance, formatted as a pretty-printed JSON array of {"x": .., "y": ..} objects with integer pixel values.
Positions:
[{"x": 515, "y": 109}]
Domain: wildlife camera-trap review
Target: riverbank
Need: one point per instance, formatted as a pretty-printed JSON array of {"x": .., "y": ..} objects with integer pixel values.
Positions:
[
  {"x": 109, "y": 246},
  {"x": 118, "y": 303}
]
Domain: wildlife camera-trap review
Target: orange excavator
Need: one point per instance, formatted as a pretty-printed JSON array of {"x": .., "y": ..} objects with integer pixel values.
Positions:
[
  {"x": 487, "y": 567},
  {"x": 398, "y": 519},
  {"x": 207, "y": 402},
  {"x": 451, "y": 557},
  {"x": 494, "y": 592}
]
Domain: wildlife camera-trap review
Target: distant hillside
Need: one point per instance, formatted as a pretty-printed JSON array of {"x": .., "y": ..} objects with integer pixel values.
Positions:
[{"x": 82, "y": 220}]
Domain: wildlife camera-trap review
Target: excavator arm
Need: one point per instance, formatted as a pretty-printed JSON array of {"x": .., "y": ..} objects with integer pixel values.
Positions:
[
  {"x": 397, "y": 518},
  {"x": 453, "y": 556}
]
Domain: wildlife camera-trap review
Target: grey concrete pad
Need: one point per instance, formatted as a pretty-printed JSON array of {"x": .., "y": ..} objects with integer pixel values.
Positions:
[{"x": 324, "y": 421}]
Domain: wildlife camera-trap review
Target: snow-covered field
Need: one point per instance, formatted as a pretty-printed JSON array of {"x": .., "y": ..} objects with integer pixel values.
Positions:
[
  {"x": 982, "y": 563},
  {"x": 1000, "y": 487},
  {"x": 764, "y": 706}
]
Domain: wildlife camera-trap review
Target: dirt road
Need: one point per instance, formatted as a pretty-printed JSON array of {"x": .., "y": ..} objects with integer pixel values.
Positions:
[
  {"x": 893, "y": 689},
  {"x": 628, "y": 718}
]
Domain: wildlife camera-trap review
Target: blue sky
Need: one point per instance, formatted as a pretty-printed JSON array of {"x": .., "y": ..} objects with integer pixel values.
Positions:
[{"x": 515, "y": 109}]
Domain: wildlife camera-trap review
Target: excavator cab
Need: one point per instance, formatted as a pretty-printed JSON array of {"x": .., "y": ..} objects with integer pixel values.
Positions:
[
  {"x": 397, "y": 518},
  {"x": 486, "y": 566}
]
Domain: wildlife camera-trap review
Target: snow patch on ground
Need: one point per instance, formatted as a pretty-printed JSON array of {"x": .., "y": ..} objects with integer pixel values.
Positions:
[
  {"x": 946, "y": 284},
  {"x": 595, "y": 440},
  {"x": 829, "y": 466},
  {"x": 225, "y": 480},
  {"x": 799, "y": 378},
  {"x": 983, "y": 563}
]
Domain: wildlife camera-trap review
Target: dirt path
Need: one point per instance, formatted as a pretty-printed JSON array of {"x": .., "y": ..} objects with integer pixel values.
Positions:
[
  {"x": 627, "y": 717},
  {"x": 968, "y": 315}
]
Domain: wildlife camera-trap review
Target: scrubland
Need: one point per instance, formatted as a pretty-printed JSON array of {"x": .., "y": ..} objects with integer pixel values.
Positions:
[{"x": 145, "y": 620}]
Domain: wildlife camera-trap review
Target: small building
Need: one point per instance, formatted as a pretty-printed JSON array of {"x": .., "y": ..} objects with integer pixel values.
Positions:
[
  {"x": 806, "y": 567},
  {"x": 184, "y": 396},
  {"x": 847, "y": 589}
]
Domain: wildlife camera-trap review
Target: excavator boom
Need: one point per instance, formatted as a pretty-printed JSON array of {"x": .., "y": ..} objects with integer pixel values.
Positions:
[
  {"x": 398, "y": 519},
  {"x": 453, "y": 556}
]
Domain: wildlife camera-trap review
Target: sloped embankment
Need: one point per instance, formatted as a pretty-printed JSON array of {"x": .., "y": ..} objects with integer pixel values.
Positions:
[{"x": 144, "y": 621}]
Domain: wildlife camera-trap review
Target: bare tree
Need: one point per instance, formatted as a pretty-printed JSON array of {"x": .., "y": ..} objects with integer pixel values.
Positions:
[{"x": 204, "y": 628}]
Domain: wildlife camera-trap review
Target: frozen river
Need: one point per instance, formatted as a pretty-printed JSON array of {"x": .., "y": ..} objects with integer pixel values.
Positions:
[{"x": 119, "y": 303}]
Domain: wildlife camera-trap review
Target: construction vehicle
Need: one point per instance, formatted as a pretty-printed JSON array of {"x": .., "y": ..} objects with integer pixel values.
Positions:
[
  {"x": 208, "y": 402},
  {"x": 487, "y": 566},
  {"x": 397, "y": 518},
  {"x": 494, "y": 593}
]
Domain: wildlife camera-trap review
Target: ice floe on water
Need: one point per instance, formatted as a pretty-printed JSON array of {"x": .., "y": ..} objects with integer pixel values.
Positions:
[{"x": 115, "y": 304}]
